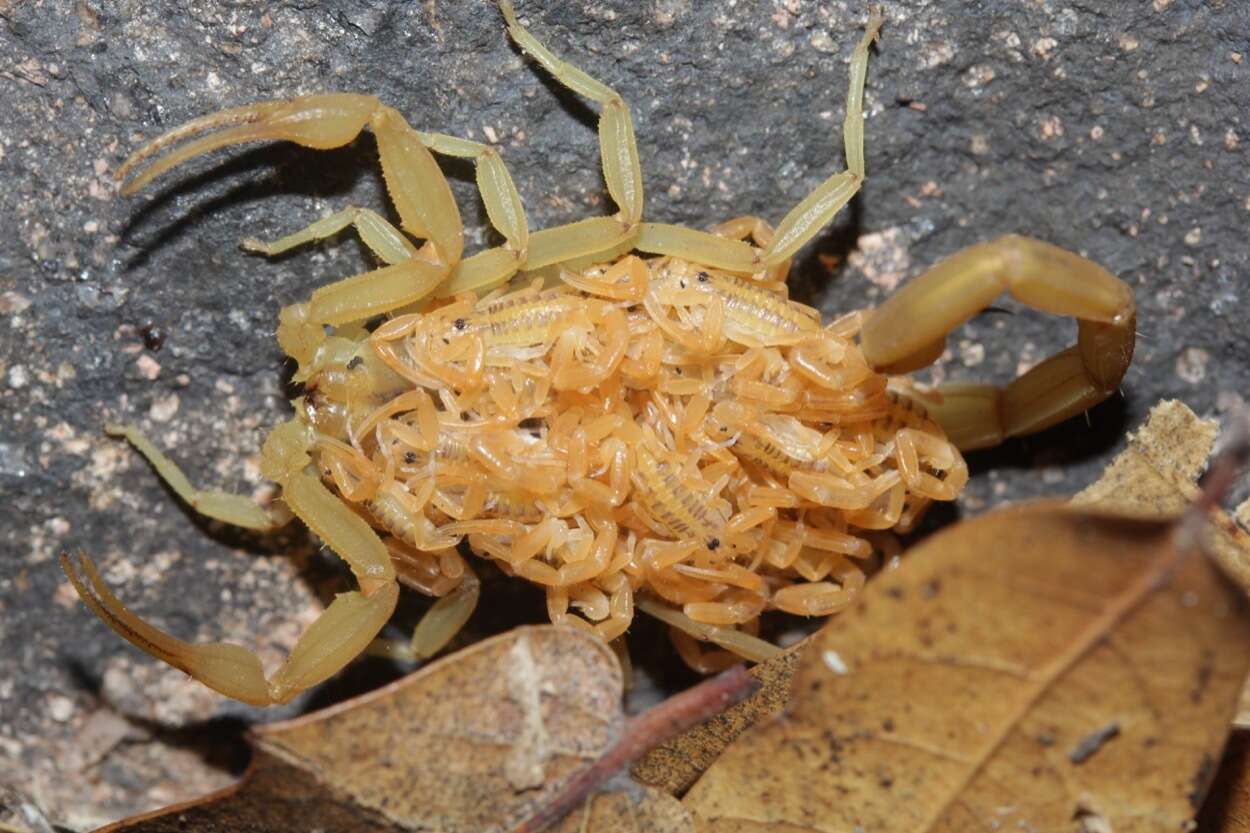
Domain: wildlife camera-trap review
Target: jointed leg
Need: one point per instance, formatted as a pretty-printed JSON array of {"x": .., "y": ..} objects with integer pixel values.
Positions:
[
  {"x": 406, "y": 276},
  {"x": 625, "y": 280},
  {"x": 748, "y": 225},
  {"x": 438, "y": 626},
  {"x": 853, "y": 123},
  {"x": 697, "y": 247},
  {"x": 619, "y": 151},
  {"x": 337, "y": 637},
  {"x": 807, "y": 218},
  {"x": 426, "y": 209},
  {"x": 725, "y": 247},
  {"x": 616, "y": 129},
  {"x": 908, "y": 331},
  {"x": 493, "y": 267},
  {"x": 804, "y": 221},
  {"x": 382, "y": 238},
  {"x": 236, "y": 510},
  {"x": 494, "y": 183},
  {"x": 484, "y": 270}
]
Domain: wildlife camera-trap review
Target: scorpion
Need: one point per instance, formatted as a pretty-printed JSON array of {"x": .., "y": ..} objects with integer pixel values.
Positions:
[{"x": 629, "y": 414}]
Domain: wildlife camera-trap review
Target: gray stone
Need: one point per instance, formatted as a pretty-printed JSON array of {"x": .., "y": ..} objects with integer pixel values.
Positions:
[{"x": 1114, "y": 129}]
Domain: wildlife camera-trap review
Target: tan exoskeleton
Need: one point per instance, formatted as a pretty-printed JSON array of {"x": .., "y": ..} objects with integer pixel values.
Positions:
[{"x": 610, "y": 426}]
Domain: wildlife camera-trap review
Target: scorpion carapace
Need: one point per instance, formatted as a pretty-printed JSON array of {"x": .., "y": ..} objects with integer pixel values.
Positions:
[{"x": 622, "y": 412}]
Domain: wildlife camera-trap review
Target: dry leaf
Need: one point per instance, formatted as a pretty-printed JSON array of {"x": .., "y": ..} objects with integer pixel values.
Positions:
[
  {"x": 1157, "y": 475},
  {"x": 474, "y": 743},
  {"x": 510, "y": 734},
  {"x": 675, "y": 765},
  {"x": 1227, "y": 809},
  {"x": 636, "y": 810},
  {"x": 1036, "y": 668}
]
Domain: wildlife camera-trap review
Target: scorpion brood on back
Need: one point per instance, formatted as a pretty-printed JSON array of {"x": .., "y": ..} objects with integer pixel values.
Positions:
[{"x": 670, "y": 432}]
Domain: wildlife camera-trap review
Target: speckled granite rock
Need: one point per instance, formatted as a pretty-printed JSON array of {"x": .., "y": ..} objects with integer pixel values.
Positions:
[{"x": 1115, "y": 129}]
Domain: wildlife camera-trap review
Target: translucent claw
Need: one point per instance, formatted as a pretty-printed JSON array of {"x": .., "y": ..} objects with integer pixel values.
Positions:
[
  {"x": 230, "y": 669},
  {"x": 316, "y": 121}
]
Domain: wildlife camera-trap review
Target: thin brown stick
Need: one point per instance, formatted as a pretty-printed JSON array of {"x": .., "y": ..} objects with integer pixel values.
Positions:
[
  {"x": 1225, "y": 468},
  {"x": 641, "y": 734}
]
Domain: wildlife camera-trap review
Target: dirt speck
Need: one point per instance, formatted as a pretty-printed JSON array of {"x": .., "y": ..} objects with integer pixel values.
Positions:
[
  {"x": 1191, "y": 364},
  {"x": 882, "y": 257}
]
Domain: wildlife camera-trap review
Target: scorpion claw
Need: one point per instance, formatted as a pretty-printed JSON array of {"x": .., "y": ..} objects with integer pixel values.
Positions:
[
  {"x": 344, "y": 630},
  {"x": 230, "y": 669},
  {"x": 316, "y": 121}
]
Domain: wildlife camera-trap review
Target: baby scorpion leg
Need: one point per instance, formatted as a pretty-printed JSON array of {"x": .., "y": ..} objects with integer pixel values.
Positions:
[
  {"x": 761, "y": 233},
  {"x": 617, "y": 146},
  {"x": 338, "y": 635},
  {"x": 909, "y": 330}
]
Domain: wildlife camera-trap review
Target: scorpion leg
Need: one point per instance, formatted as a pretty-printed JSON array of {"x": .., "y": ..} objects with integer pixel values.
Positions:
[
  {"x": 618, "y": 149},
  {"x": 724, "y": 248},
  {"x": 437, "y": 627},
  {"x": 445, "y": 619},
  {"x": 491, "y": 268},
  {"x": 482, "y": 271},
  {"x": 423, "y": 200},
  {"x": 909, "y": 330},
  {"x": 697, "y": 247},
  {"x": 382, "y": 238},
  {"x": 817, "y": 208},
  {"x": 236, "y": 510}
]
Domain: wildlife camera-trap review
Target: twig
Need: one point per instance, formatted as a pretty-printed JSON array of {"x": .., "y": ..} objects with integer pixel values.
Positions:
[
  {"x": 644, "y": 732},
  {"x": 1227, "y": 465}
]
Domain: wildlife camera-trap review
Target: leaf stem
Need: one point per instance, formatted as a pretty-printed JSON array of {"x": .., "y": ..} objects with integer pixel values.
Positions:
[{"x": 644, "y": 732}]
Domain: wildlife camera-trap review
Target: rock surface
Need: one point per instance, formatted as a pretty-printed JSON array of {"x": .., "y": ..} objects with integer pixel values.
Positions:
[{"x": 1114, "y": 129}]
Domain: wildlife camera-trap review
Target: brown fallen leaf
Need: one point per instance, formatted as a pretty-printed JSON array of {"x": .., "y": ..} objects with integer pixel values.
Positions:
[
  {"x": 1227, "y": 809},
  {"x": 1042, "y": 667},
  {"x": 517, "y": 733},
  {"x": 475, "y": 743},
  {"x": 634, "y": 810},
  {"x": 1158, "y": 473},
  {"x": 676, "y": 764}
]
